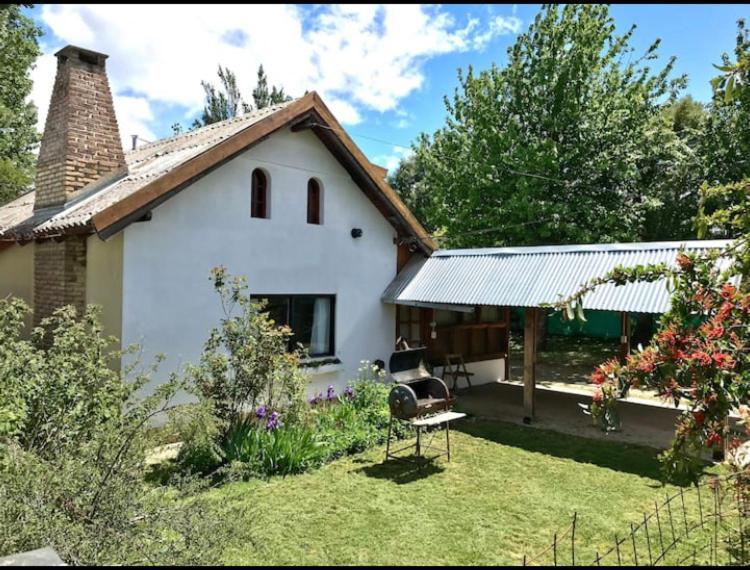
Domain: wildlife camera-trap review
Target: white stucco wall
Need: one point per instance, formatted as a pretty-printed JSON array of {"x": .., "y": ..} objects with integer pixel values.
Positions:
[
  {"x": 485, "y": 372},
  {"x": 168, "y": 301}
]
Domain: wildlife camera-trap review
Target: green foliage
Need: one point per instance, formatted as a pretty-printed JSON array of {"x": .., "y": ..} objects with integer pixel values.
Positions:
[
  {"x": 262, "y": 97},
  {"x": 245, "y": 362},
  {"x": 726, "y": 142},
  {"x": 226, "y": 101},
  {"x": 72, "y": 449},
  {"x": 409, "y": 181},
  {"x": 358, "y": 419},
  {"x": 19, "y": 49},
  {"x": 264, "y": 452},
  {"x": 561, "y": 145},
  {"x": 222, "y": 103}
]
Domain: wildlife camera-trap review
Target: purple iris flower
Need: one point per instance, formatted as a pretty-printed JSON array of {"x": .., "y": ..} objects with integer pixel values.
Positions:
[
  {"x": 273, "y": 421},
  {"x": 315, "y": 399},
  {"x": 260, "y": 413},
  {"x": 331, "y": 393},
  {"x": 349, "y": 392}
]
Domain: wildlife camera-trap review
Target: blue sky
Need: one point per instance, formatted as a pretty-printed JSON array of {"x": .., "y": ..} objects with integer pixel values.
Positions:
[{"x": 383, "y": 70}]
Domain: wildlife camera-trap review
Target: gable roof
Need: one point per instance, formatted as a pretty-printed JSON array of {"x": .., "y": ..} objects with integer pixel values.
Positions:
[
  {"x": 159, "y": 170},
  {"x": 533, "y": 276}
]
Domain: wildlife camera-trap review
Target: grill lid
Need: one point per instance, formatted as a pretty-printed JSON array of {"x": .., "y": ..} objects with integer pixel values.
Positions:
[{"x": 407, "y": 365}]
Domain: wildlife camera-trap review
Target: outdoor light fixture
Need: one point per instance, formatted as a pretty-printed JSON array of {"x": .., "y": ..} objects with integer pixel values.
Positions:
[{"x": 356, "y": 233}]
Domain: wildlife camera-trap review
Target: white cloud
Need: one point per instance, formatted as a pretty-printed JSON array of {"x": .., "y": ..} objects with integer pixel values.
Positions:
[
  {"x": 133, "y": 118},
  {"x": 358, "y": 57}
]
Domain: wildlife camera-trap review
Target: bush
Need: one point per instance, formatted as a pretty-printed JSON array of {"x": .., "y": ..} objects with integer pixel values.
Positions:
[
  {"x": 73, "y": 442},
  {"x": 284, "y": 450},
  {"x": 357, "y": 419}
]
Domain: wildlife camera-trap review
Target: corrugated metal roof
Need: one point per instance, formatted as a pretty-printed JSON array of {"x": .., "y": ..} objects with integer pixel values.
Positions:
[
  {"x": 19, "y": 221},
  {"x": 532, "y": 276}
]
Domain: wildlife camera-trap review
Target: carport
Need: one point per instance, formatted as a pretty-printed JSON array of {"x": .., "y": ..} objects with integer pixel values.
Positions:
[{"x": 466, "y": 280}]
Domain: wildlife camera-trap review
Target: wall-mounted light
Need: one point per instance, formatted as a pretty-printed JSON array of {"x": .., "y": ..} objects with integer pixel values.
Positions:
[{"x": 356, "y": 233}]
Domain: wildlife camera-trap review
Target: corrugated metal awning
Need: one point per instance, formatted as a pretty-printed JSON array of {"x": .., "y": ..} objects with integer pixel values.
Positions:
[{"x": 533, "y": 276}]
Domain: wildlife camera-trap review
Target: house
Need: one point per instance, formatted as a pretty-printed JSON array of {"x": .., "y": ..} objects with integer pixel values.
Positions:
[{"x": 281, "y": 195}]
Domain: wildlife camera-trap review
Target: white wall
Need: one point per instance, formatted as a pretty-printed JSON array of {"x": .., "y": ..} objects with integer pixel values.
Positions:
[
  {"x": 168, "y": 301},
  {"x": 485, "y": 372}
]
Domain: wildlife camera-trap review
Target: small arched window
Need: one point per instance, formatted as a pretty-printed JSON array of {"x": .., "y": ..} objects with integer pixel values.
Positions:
[
  {"x": 259, "y": 194},
  {"x": 313, "y": 201}
]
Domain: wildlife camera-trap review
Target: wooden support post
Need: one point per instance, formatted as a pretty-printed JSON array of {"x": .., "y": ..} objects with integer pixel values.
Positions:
[
  {"x": 507, "y": 344},
  {"x": 624, "y": 335},
  {"x": 529, "y": 363}
]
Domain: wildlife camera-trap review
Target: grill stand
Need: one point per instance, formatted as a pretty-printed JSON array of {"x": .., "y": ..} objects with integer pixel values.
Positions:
[{"x": 442, "y": 419}]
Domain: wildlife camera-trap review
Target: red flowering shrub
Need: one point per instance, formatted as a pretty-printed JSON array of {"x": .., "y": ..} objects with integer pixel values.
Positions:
[{"x": 699, "y": 356}]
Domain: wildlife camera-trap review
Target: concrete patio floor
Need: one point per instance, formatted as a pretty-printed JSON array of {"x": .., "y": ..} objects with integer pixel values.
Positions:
[{"x": 648, "y": 424}]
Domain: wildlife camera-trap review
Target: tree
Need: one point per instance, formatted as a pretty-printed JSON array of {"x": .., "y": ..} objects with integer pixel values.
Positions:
[
  {"x": 676, "y": 173},
  {"x": 561, "y": 145},
  {"x": 222, "y": 103},
  {"x": 726, "y": 145},
  {"x": 262, "y": 97},
  {"x": 408, "y": 180},
  {"x": 19, "y": 49},
  {"x": 226, "y": 101}
]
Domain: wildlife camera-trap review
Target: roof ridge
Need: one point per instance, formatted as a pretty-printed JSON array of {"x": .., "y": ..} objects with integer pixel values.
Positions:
[
  {"x": 212, "y": 126},
  {"x": 584, "y": 248}
]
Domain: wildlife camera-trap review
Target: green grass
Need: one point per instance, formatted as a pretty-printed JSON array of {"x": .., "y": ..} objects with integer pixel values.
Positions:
[{"x": 507, "y": 490}]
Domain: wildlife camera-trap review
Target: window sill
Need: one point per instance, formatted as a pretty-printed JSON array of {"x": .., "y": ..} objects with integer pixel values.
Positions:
[{"x": 321, "y": 365}]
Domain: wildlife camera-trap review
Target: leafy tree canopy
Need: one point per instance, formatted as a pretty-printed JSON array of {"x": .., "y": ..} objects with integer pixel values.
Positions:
[
  {"x": 19, "y": 49},
  {"x": 560, "y": 145}
]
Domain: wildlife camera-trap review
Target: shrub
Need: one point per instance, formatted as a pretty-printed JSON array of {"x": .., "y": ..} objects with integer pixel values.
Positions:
[
  {"x": 245, "y": 362},
  {"x": 357, "y": 419},
  {"x": 285, "y": 450},
  {"x": 72, "y": 449}
]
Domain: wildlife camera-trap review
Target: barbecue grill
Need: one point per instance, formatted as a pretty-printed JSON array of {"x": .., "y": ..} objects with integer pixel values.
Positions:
[
  {"x": 419, "y": 398},
  {"x": 417, "y": 392}
]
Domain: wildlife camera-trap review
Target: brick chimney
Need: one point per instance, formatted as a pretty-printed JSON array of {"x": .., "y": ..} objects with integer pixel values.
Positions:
[
  {"x": 81, "y": 144},
  {"x": 81, "y": 141}
]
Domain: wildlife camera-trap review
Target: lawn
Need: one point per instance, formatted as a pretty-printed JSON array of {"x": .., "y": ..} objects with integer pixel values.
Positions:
[{"x": 507, "y": 490}]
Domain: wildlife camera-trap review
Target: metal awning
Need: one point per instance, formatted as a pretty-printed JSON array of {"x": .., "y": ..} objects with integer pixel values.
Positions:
[{"x": 534, "y": 276}]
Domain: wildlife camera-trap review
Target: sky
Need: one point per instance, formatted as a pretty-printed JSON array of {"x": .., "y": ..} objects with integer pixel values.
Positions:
[{"x": 382, "y": 69}]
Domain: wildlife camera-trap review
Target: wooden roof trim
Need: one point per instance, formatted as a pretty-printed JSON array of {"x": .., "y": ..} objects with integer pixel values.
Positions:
[
  {"x": 196, "y": 165},
  {"x": 425, "y": 241},
  {"x": 112, "y": 219}
]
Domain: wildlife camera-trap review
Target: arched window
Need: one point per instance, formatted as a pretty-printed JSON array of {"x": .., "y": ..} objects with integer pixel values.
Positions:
[
  {"x": 259, "y": 194},
  {"x": 313, "y": 201}
]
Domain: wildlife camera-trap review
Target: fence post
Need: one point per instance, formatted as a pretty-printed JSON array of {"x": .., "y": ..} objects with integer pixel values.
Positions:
[
  {"x": 715, "y": 491},
  {"x": 684, "y": 513},
  {"x": 554, "y": 548},
  {"x": 658, "y": 524},
  {"x": 740, "y": 519},
  {"x": 671, "y": 520},
  {"x": 700, "y": 505},
  {"x": 617, "y": 549},
  {"x": 635, "y": 550},
  {"x": 573, "y": 540},
  {"x": 648, "y": 540}
]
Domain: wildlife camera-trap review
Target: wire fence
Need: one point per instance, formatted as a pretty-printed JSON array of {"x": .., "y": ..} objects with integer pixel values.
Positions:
[{"x": 704, "y": 524}]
